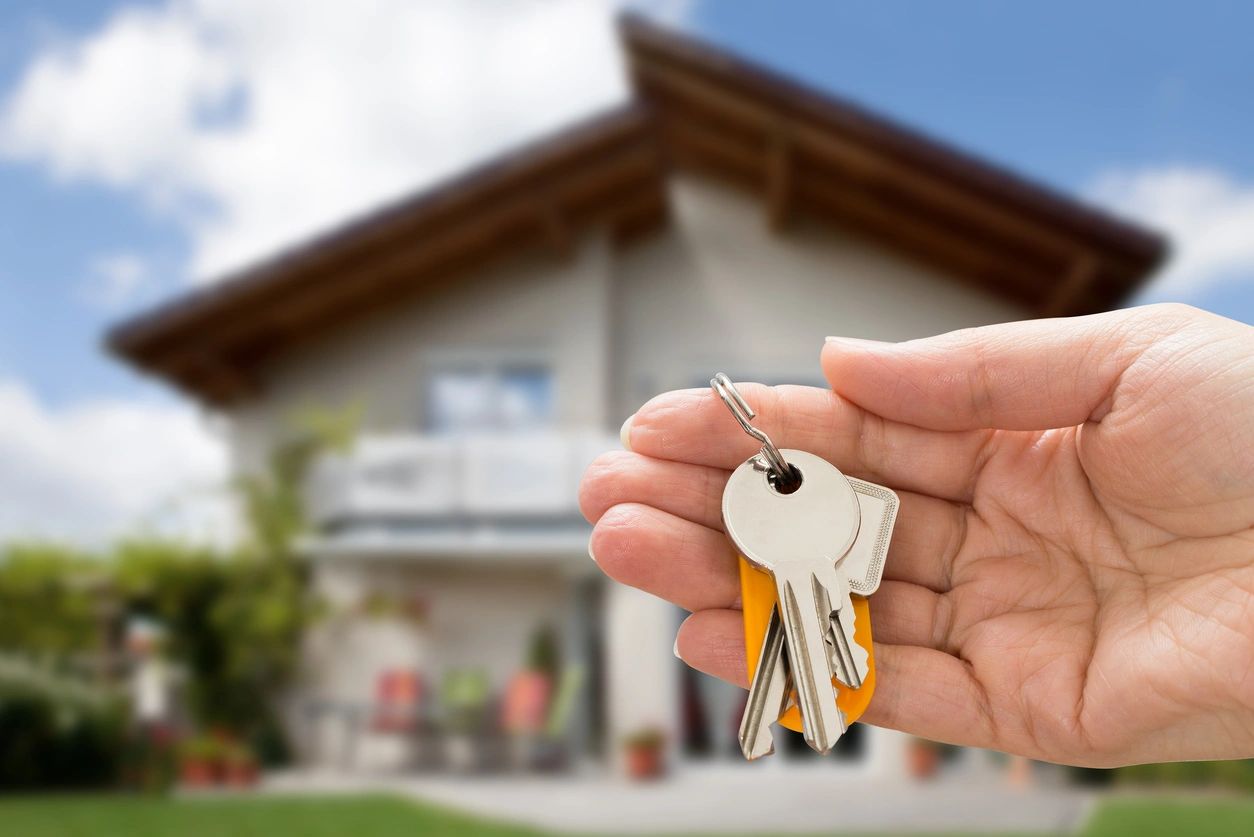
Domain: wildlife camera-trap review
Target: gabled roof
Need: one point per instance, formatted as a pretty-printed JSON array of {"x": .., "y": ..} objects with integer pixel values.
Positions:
[{"x": 803, "y": 153}]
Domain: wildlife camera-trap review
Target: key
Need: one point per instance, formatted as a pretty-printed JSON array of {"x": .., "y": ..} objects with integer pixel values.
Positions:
[
  {"x": 798, "y": 537},
  {"x": 849, "y": 659},
  {"x": 863, "y": 566},
  {"x": 768, "y": 694}
]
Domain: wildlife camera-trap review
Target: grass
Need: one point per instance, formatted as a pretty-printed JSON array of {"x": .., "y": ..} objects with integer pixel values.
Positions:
[
  {"x": 382, "y": 816},
  {"x": 1197, "y": 817},
  {"x": 138, "y": 816}
]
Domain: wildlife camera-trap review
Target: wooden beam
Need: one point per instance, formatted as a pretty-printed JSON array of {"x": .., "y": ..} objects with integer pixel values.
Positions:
[
  {"x": 588, "y": 191},
  {"x": 1075, "y": 284},
  {"x": 970, "y": 261},
  {"x": 779, "y": 180},
  {"x": 204, "y": 373},
  {"x": 637, "y": 217},
  {"x": 555, "y": 227},
  {"x": 687, "y": 95}
]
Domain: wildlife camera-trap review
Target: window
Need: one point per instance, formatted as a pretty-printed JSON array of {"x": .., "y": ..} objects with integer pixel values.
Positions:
[{"x": 479, "y": 397}]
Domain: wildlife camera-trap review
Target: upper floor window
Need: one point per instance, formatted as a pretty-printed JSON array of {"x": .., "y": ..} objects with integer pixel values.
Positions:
[{"x": 488, "y": 397}]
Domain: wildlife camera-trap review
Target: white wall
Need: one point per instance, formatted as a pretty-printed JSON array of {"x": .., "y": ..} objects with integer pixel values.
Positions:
[
  {"x": 722, "y": 293},
  {"x": 532, "y": 305}
]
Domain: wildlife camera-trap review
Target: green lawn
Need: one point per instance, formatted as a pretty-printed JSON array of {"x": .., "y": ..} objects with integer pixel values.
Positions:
[
  {"x": 1180, "y": 818},
  {"x": 124, "y": 816},
  {"x": 370, "y": 816}
]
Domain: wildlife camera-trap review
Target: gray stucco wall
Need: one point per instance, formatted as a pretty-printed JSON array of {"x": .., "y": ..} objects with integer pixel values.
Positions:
[{"x": 716, "y": 291}]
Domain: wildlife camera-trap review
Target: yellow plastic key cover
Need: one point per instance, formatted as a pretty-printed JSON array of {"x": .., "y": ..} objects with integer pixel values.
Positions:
[{"x": 758, "y": 597}]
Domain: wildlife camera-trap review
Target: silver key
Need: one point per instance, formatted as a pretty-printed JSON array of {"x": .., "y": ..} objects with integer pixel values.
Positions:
[
  {"x": 862, "y": 566},
  {"x": 849, "y": 659},
  {"x": 798, "y": 537},
  {"x": 768, "y": 694}
]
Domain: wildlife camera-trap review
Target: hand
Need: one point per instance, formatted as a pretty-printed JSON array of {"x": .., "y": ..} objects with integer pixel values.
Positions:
[{"x": 1071, "y": 577}]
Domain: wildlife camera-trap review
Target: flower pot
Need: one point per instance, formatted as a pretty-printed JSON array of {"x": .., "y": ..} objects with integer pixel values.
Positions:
[
  {"x": 197, "y": 773},
  {"x": 241, "y": 775},
  {"x": 923, "y": 760},
  {"x": 644, "y": 763}
]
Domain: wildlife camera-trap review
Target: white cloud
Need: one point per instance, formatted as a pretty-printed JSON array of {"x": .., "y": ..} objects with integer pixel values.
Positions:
[
  {"x": 103, "y": 468},
  {"x": 115, "y": 279},
  {"x": 1208, "y": 215},
  {"x": 255, "y": 124}
]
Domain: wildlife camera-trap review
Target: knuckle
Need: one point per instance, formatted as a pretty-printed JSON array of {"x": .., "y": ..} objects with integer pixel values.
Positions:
[
  {"x": 614, "y": 537},
  {"x": 600, "y": 481}
]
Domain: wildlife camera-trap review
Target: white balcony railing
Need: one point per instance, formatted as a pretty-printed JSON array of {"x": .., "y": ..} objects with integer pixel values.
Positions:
[{"x": 415, "y": 477}]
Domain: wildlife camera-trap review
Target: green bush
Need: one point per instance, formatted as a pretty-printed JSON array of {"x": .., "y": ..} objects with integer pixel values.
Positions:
[
  {"x": 48, "y": 743},
  {"x": 1237, "y": 774}
]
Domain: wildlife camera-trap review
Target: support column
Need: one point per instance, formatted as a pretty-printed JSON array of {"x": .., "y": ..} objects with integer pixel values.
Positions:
[{"x": 642, "y": 684}]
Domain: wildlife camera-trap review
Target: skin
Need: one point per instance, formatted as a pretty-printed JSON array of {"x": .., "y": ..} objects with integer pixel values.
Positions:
[{"x": 1071, "y": 577}]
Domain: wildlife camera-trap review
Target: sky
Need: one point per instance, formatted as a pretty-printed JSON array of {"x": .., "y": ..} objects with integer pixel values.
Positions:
[{"x": 149, "y": 147}]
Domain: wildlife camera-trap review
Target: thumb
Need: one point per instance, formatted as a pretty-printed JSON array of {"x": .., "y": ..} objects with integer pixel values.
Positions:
[{"x": 1031, "y": 375}]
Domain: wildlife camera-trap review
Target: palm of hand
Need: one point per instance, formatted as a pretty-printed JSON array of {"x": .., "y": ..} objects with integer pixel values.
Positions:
[
  {"x": 1102, "y": 595},
  {"x": 1082, "y": 594}
]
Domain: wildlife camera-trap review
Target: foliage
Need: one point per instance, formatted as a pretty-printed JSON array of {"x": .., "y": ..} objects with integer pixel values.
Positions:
[
  {"x": 1237, "y": 774},
  {"x": 648, "y": 738},
  {"x": 48, "y": 606},
  {"x": 232, "y": 619},
  {"x": 202, "y": 748},
  {"x": 47, "y": 743},
  {"x": 543, "y": 651}
]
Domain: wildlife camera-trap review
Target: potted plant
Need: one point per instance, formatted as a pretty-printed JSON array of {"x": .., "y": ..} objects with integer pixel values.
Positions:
[
  {"x": 643, "y": 752},
  {"x": 239, "y": 766},
  {"x": 199, "y": 761},
  {"x": 465, "y": 695},
  {"x": 923, "y": 758}
]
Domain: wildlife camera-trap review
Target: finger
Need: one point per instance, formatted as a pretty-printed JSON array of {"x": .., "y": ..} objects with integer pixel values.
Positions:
[
  {"x": 693, "y": 492},
  {"x": 713, "y": 641},
  {"x": 694, "y": 426},
  {"x": 675, "y": 559},
  {"x": 907, "y": 614},
  {"x": 928, "y": 536},
  {"x": 931, "y": 694},
  {"x": 917, "y": 690},
  {"x": 1016, "y": 376}
]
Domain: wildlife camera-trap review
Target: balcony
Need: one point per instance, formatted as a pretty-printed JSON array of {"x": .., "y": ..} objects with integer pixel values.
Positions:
[{"x": 428, "y": 483}]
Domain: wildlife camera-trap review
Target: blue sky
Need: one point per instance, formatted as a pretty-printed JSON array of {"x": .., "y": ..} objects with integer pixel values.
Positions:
[{"x": 144, "y": 145}]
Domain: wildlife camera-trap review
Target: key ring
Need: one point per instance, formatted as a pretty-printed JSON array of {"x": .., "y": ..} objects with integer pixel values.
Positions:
[{"x": 743, "y": 413}]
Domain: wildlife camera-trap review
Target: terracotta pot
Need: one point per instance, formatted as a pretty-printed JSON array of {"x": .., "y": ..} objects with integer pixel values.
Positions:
[
  {"x": 924, "y": 760},
  {"x": 242, "y": 775},
  {"x": 644, "y": 763},
  {"x": 197, "y": 773}
]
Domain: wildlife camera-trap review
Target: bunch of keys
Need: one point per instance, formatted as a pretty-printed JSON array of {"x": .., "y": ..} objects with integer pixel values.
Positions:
[{"x": 812, "y": 545}]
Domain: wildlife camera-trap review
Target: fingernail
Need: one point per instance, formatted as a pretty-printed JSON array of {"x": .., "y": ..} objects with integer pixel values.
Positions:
[
  {"x": 624, "y": 433},
  {"x": 675, "y": 649},
  {"x": 859, "y": 341},
  {"x": 591, "y": 554}
]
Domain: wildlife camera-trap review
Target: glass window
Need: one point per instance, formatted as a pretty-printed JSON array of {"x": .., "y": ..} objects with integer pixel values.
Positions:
[{"x": 489, "y": 397}]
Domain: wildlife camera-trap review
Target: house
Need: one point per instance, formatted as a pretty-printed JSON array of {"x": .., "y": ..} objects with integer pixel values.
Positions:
[{"x": 495, "y": 331}]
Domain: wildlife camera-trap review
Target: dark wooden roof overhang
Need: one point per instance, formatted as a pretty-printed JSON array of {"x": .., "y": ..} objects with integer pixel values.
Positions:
[
  {"x": 810, "y": 153},
  {"x": 803, "y": 153},
  {"x": 607, "y": 172}
]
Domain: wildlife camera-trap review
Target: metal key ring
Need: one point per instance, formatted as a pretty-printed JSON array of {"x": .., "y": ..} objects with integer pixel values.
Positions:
[{"x": 743, "y": 414}]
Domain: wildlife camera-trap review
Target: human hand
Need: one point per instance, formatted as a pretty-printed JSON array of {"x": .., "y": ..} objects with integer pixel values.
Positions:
[{"x": 1071, "y": 577}]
